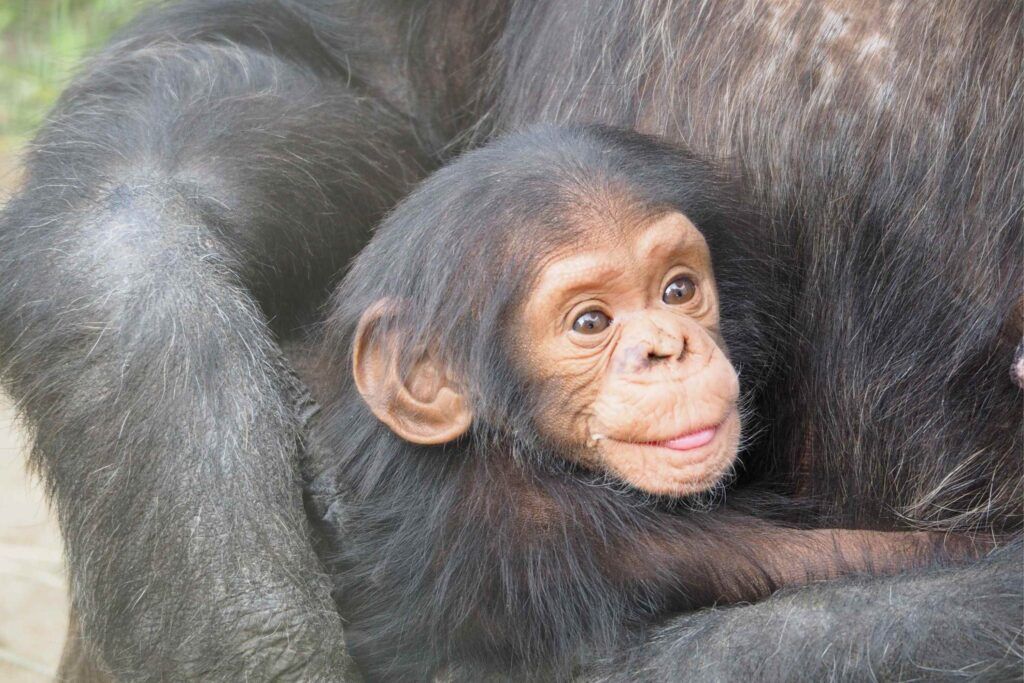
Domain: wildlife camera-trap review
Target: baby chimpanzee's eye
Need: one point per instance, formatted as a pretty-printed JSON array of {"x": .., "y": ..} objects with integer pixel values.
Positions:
[
  {"x": 679, "y": 291},
  {"x": 591, "y": 322}
]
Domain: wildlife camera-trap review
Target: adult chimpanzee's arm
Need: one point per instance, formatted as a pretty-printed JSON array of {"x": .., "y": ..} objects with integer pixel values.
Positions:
[
  {"x": 212, "y": 153},
  {"x": 941, "y": 624}
]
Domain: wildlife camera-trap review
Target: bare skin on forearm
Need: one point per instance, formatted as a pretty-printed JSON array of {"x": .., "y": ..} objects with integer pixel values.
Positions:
[{"x": 751, "y": 565}]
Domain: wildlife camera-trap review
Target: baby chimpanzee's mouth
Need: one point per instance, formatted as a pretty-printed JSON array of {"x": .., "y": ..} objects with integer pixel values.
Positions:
[{"x": 688, "y": 441}]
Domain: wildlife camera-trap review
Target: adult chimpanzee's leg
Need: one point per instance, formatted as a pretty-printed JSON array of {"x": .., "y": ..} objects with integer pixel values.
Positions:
[{"x": 211, "y": 153}]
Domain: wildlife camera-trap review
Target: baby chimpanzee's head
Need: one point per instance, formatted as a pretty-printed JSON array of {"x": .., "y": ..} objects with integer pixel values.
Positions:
[{"x": 553, "y": 293}]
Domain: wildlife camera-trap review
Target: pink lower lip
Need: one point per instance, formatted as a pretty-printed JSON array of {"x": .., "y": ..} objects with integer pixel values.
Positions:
[{"x": 689, "y": 441}]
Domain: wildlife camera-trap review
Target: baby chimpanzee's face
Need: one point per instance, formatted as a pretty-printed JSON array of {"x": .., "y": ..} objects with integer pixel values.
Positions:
[{"x": 623, "y": 341}]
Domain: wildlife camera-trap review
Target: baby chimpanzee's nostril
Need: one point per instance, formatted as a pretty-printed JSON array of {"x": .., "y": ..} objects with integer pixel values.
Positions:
[
  {"x": 653, "y": 356},
  {"x": 674, "y": 350}
]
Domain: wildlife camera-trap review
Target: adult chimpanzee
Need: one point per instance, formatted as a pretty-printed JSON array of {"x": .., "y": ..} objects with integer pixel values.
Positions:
[
  {"x": 193, "y": 194},
  {"x": 535, "y": 326}
]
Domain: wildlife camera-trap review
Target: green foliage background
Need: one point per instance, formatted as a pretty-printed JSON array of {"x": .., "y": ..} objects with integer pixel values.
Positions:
[{"x": 41, "y": 43}]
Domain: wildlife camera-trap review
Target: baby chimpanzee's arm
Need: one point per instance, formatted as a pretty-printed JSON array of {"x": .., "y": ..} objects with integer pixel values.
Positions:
[{"x": 733, "y": 558}]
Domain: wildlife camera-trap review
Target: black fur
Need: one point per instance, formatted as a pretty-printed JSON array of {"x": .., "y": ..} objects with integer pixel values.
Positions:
[
  {"x": 182, "y": 201},
  {"x": 492, "y": 549},
  {"x": 195, "y": 190}
]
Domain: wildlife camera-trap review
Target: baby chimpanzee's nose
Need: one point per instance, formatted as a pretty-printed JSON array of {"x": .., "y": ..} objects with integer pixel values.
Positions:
[{"x": 652, "y": 340}]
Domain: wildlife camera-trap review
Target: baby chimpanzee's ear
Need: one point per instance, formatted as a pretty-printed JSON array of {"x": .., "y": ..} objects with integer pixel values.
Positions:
[{"x": 422, "y": 405}]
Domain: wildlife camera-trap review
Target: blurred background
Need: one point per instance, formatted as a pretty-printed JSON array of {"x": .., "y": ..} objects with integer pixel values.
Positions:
[{"x": 41, "y": 43}]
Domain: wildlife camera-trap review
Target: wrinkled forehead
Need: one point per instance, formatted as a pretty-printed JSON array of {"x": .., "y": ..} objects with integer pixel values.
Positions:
[{"x": 612, "y": 247}]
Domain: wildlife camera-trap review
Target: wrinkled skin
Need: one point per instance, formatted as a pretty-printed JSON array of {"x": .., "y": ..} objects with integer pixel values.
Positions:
[{"x": 658, "y": 371}]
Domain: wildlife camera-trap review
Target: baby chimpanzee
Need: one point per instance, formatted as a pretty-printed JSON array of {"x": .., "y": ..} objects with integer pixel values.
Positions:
[{"x": 528, "y": 377}]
